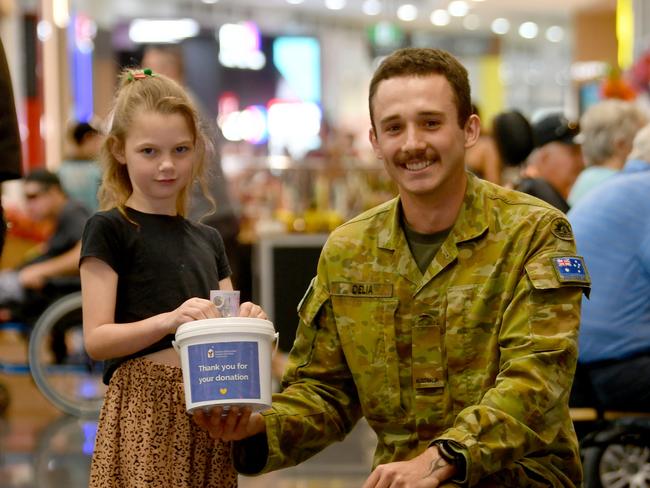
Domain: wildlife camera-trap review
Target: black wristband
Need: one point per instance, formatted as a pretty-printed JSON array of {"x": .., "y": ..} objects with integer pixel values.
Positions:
[{"x": 452, "y": 457}]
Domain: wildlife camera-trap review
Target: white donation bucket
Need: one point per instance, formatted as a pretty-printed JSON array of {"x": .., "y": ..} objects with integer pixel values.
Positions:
[{"x": 226, "y": 362}]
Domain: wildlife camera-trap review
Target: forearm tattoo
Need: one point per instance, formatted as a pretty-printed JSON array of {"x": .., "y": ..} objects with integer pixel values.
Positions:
[{"x": 436, "y": 465}]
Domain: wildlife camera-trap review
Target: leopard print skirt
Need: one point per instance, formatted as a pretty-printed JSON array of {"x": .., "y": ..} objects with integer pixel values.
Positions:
[{"x": 145, "y": 439}]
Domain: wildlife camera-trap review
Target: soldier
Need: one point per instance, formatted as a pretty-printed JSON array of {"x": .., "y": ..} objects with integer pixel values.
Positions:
[{"x": 448, "y": 316}]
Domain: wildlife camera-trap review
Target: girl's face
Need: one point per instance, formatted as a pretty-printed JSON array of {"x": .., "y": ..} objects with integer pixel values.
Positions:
[{"x": 159, "y": 154}]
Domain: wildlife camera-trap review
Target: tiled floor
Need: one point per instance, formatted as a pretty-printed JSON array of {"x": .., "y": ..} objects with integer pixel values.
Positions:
[{"x": 42, "y": 448}]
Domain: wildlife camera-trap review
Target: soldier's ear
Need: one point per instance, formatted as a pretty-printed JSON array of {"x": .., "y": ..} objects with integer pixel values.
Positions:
[
  {"x": 372, "y": 136},
  {"x": 472, "y": 130}
]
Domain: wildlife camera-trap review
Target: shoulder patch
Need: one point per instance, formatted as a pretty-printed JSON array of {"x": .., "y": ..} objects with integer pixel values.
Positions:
[
  {"x": 561, "y": 229},
  {"x": 570, "y": 269}
]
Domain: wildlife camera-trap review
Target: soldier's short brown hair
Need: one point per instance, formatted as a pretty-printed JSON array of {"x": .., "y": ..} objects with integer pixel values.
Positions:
[{"x": 413, "y": 61}]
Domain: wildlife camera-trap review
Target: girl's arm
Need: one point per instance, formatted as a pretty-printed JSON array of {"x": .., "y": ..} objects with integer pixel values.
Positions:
[{"x": 104, "y": 338}]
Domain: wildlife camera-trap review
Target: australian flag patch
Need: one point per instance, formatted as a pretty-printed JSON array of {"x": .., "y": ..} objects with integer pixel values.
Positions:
[{"x": 571, "y": 269}]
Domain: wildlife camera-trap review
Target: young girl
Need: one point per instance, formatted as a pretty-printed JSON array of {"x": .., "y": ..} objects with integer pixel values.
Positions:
[{"x": 145, "y": 270}]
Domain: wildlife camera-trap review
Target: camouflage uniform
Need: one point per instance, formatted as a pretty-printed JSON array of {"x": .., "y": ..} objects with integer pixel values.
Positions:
[{"x": 480, "y": 350}]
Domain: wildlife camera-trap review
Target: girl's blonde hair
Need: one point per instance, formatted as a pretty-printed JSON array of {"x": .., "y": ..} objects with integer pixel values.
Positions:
[{"x": 142, "y": 91}]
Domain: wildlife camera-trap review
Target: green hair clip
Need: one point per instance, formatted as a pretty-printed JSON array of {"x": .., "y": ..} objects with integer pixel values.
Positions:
[{"x": 139, "y": 75}]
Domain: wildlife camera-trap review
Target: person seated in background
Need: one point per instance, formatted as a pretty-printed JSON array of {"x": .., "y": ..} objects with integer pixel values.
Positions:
[
  {"x": 23, "y": 291},
  {"x": 607, "y": 130},
  {"x": 555, "y": 162},
  {"x": 80, "y": 174},
  {"x": 612, "y": 233},
  {"x": 483, "y": 158}
]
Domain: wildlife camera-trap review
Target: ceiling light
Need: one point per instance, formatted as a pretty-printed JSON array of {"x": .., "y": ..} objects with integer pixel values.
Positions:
[
  {"x": 61, "y": 13},
  {"x": 440, "y": 17},
  {"x": 471, "y": 22},
  {"x": 210, "y": 2},
  {"x": 555, "y": 33},
  {"x": 458, "y": 8},
  {"x": 164, "y": 31},
  {"x": 371, "y": 7},
  {"x": 335, "y": 4},
  {"x": 500, "y": 26},
  {"x": 43, "y": 30},
  {"x": 407, "y": 12},
  {"x": 528, "y": 30},
  {"x": 295, "y": 2}
]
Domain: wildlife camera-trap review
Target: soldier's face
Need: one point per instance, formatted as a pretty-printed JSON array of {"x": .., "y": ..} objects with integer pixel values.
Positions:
[{"x": 418, "y": 137}]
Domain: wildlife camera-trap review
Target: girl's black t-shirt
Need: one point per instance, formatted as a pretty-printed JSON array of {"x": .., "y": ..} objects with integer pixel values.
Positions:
[{"x": 160, "y": 260}]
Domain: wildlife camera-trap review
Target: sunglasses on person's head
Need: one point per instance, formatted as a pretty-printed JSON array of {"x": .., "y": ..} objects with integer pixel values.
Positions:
[{"x": 566, "y": 129}]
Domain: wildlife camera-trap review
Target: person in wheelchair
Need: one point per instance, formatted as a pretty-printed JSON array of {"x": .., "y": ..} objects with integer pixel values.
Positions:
[{"x": 25, "y": 292}]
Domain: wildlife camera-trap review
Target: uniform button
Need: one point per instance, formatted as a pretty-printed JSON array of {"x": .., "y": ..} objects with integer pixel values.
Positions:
[{"x": 424, "y": 320}]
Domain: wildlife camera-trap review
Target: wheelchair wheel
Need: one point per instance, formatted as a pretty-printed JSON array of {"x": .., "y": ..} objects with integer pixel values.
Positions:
[
  {"x": 617, "y": 466},
  {"x": 70, "y": 380},
  {"x": 63, "y": 453}
]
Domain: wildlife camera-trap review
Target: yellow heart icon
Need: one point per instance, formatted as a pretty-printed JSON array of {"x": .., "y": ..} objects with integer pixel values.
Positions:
[{"x": 223, "y": 391}]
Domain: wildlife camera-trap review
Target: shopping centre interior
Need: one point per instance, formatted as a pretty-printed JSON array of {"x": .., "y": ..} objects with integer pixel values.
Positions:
[{"x": 285, "y": 84}]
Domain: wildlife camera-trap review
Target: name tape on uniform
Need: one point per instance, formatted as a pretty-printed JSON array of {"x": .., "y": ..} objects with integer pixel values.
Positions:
[{"x": 370, "y": 290}]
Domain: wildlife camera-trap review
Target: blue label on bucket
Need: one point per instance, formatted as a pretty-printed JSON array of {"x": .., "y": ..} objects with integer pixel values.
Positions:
[{"x": 223, "y": 371}]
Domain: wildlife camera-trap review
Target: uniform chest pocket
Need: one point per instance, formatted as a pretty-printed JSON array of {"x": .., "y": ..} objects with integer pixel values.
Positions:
[
  {"x": 366, "y": 328},
  {"x": 470, "y": 323}
]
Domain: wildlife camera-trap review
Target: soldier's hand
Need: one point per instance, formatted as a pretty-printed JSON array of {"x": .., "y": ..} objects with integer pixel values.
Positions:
[
  {"x": 428, "y": 470},
  {"x": 235, "y": 424}
]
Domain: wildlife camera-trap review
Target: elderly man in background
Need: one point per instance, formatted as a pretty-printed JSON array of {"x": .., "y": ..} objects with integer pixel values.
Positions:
[
  {"x": 607, "y": 130},
  {"x": 555, "y": 162}
]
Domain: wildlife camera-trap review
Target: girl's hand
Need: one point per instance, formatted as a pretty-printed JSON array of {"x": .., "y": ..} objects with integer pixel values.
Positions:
[
  {"x": 192, "y": 309},
  {"x": 249, "y": 309}
]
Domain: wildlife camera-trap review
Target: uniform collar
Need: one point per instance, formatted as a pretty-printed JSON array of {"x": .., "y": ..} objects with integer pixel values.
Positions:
[{"x": 472, "y": 219}]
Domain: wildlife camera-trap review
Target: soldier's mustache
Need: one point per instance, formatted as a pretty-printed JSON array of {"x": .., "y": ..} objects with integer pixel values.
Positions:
[{"x": 424, "y": 155}]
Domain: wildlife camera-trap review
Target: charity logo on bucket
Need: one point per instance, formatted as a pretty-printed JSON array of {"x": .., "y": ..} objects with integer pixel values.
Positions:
[{"x": 224, "y": 371}]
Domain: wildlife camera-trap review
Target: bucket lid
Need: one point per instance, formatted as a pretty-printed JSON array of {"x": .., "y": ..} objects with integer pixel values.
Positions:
[{"x": 239, "y": 325}]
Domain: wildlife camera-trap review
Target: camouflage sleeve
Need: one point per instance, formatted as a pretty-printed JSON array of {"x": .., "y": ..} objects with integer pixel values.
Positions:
[
  {"x": 318, "y": 404},
  {"x": 527, "y": 408}
]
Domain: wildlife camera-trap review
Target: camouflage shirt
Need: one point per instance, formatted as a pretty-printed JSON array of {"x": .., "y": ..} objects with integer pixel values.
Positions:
[{"x": 480, "y": 350}]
